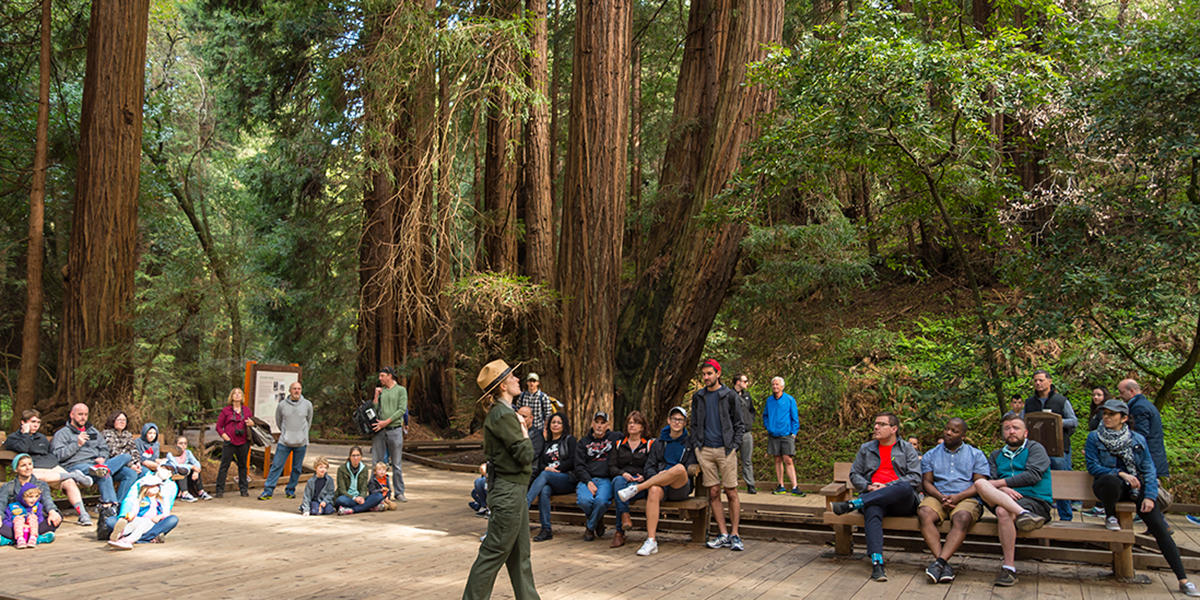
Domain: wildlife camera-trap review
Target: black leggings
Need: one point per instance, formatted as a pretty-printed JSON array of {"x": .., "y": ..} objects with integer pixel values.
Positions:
[
  {"x": 194, "y": 486},
  {"x": 1111, "y": 489},
  {"x": 228, "y": 453}
]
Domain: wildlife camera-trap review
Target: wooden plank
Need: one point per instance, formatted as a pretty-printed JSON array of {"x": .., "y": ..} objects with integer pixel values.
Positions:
[
  {"x": 768, "y": 574},
  {"x": 1059, "y": 582}
]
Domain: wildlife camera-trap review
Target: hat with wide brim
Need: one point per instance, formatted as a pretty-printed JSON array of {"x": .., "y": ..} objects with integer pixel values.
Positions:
[{"x": 492, "y": 374}]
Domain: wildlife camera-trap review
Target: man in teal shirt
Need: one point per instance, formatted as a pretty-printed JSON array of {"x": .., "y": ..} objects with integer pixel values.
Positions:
[{"x": 391, "y": 402}]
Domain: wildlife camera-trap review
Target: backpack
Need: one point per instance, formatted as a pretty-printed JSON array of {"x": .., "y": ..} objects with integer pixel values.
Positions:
[
  {"x": 365, "y": 417},
  {"x": 103, "y": 514}
]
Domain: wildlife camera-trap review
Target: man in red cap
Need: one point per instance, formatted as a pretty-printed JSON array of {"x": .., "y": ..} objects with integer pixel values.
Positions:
[{"x": 717, "y": 428}]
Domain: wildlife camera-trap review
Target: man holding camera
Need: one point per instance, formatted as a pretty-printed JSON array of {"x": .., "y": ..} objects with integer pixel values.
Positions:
[
  {"x": 391, "y": 402},
  {"x": 78, "y": 446}
]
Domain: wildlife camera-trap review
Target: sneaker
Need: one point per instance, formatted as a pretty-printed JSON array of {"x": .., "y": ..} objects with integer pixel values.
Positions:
[
  {"x": 1096, "y": 511},
  {"x": 1112, "y": 524},
  {"x": 1188, "y": 589},
  {"x": 159, "y": 539},
  {"x": 588, "y": 534},
  {"x": 841, "y": 508},
  {"x": 934, "y": 571},
  {"x": 751, "y": 489},
  {"x": 483, "y": 511},
  {"x": 343, "y": 510},
  {"x": 289, "y": 495},
  {"x": 84, "y": 519},
  {"x": 245, "y": 493},
  {"x": 796, "y": 492},
  {"x": 1006, "y": 578},
  {"x": 120, "y": 544},
  {"x": 543, "y": 535},
  {"x": 401, "y": 498},
  {"x": 779, "y": 490},
  {"x": 627, "y": 493},
  {"x": 648, "y": 547},
  {"x": 205, "y": 496},
  {"x": 1027, "y": 521},
  {"x": 721, "y": 541},
  {"x": 187, "y": 497},
  {"x": 735, "y": 543},
  {"x": 600, "y": 529},
  {"x": 46, "y": 538},
  {"x": 947, "y": 574},
  {"x": 474, "y": 506},
  {"x": 264, "y": 496},
  {"x": 877, "y": 573},
  {"x": 1194, "y": 520},
  {"x": 81, "y": 478}
]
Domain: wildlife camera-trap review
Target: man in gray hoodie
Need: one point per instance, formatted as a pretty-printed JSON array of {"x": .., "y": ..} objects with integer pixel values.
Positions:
[{"x": 294, "y": 418}]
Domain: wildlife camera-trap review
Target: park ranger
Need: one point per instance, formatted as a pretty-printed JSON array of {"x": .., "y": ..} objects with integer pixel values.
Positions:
[{"x": 509, "y": 454}]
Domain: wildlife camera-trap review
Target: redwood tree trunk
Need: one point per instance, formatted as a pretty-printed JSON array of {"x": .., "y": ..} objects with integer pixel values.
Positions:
[
  {"x": 31, "y": 330},
  {"x": 95, "y": 362},
  {"x": 668, "y": 316},
  {"x": 501, "y": 168},
  {"x": 539, "y": 203},
  {"x": 589, "y": 265}
]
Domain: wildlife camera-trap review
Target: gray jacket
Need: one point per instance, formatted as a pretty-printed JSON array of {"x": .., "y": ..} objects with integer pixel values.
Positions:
[
  {"x": 905, "y": 461},
  {"x": 326, "y": 496},
  {"x": 294, "y": 417},
  {"x": 65, "y": 447},
  {"x": 9, "y": 490}
]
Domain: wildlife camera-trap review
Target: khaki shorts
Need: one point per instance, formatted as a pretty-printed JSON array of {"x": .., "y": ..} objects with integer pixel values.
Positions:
[
  {"x": 970, "y": 505},
  {"x": 718, "y": 467}
]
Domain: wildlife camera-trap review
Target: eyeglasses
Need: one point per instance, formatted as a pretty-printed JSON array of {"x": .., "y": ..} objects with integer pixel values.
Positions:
[{"x": 883, "y": 424}]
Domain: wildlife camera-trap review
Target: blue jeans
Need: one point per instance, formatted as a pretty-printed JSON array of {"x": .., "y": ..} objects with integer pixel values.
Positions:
[
  {"x": 369, "y": 502},
  {"x": 104, "y": 485},
  {"x": 123, "y": 475},
  {"x": 546, "y": 484},
  {"x": 594, "y": 506},
  {"x": 164, "y": 526},
  {"x": 619, "y": 483},
  {"x": 314, "y": 508},
  {"x": 277, "y": 463},
  {"x": 479, "y": 493},
  {"x": 1062, "y": 463}
]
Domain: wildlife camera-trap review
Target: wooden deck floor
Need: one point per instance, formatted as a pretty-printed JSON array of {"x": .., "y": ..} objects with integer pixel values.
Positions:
[{"x": 241, "y": 548}]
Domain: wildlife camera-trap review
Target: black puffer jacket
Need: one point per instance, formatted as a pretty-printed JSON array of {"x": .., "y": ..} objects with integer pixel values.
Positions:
[{"x": 629, "y": 459}]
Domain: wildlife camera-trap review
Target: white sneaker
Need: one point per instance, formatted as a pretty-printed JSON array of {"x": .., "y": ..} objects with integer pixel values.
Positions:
[
  {"x": 1112, "y": 524},
  {"x": 121, "y": 544},
  {"x": 648, "y": 547},
  {"x": 627, "y": 493},
  {"x": 187, "y": 497}
]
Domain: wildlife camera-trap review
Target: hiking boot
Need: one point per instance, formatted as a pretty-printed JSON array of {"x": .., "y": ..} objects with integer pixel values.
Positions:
[
  {"x": 627, "y": 493},
  {"x": 796, "y": 492},
  {"x": 1027, "y": 521},
  {"x": 751, "y": 489},
  {"x": 721, "y": 541},
  {"x": 934, "y": 571},
  {"x": 877, "y": 573},
  {"x": 735, "y": 543},
  {"x": 780, "y": 490},
  {"x": 1006, "y": 578},
  {"x": 588, "y": 534},
  {"x": 543, "y": 535},
  {"x": 841, "y": 508},
  {"x": 648, "y": 547},
  {"x": 618, "y": 539},
  {"x": 947, "y": 574},
  {"x": 1112, "y": 524}
]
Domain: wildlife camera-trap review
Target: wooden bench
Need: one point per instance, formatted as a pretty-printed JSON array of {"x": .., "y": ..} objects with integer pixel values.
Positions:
[
  {"x": 1067, "y": 485},
  {"x": 694, "y": 510},
  {"x": 7, "y": 456}
]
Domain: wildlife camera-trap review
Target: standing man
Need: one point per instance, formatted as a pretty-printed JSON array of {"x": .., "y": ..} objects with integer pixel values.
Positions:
[
  {"x": 1145, "y": 420},
  {"x": 717, "y": 425},
  {"x": 746, "y": 449},
  {"x": 78, "y": 446},
  {"x": 536, "y": 400},
  {"x": 886, "y": 473},
  {"x": 509, "y": 455},
  {"x": 948, "y": 475},
  {"x": 294, "y": 418},
  {"x": 1019, "y": 491},
  {"x": 1046, "y": 398},
  {"x": 391, "y": 402},
  {"x": 782, "y": 423}
]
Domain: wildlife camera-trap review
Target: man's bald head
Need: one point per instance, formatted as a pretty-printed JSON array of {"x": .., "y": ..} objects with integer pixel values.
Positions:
[
  {"x": 1128, "y": 388},
  {"x": 79, "y": 414}
]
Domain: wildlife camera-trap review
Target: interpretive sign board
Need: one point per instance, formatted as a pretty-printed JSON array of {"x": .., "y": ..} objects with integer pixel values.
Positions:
[{"x": 268, "y": 386}]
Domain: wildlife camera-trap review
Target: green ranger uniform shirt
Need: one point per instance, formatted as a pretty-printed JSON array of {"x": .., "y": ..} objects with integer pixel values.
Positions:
[{"x": 508, "y": 451}]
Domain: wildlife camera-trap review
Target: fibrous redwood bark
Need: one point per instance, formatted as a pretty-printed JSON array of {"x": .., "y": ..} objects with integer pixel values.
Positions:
[
  {"x": 95, "y": 357},
  {"x": 539, "y": 202},
  {"x": 593, "y": 213},
  {"x": 501, "y": 164}
]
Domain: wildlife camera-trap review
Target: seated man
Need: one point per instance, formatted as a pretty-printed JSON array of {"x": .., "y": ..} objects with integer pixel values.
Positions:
[
  {"x": 948, "y": 474},
  {"x": 1019, "y": 491},
  {"x": 667, "y": 471},
  {"x": 28, "y": 440},
  {"x": 78, "y": 446},
  {"x": 886, "y": 473}
]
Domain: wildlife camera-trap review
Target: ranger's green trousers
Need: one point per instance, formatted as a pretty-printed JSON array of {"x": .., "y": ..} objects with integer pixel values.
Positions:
[{"x": 507, "y": 543}]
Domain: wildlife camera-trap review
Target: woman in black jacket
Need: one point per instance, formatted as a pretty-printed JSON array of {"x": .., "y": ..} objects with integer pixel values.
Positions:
[
  {"x": 627, "y": 468},
  {"x": 554, "y": 464}
]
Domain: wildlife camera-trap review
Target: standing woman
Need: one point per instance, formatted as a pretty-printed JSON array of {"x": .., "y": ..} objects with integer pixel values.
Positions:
[
  {"x": 509, "y": 453},
  {"x": 1100, "y": 395},
  {"x": 232, "y": 424},
  {"x": 1119, "y": 460}
]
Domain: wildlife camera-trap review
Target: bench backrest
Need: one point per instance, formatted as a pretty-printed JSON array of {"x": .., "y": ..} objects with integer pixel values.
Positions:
[{"x": 1067, "y": 485}]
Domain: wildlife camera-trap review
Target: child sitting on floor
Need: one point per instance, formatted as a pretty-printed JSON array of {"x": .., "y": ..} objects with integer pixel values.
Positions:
[
  {"x": 24, "y": 516},
  {"x": 319, "y": 491},
  {"x": 379, "y": 484},
  {"x": 149, "y": 510}
]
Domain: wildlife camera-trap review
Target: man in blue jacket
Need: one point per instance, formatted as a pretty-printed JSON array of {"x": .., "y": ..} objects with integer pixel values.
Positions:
[
  {"x": 1145, "y": 420},
  {"x": 782, "y": 422}
]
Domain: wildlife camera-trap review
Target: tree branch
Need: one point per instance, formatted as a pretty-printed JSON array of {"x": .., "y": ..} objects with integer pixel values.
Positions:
[
  {"x": 1172, "y": 378},
  {"x": 1125, "y": 351}
]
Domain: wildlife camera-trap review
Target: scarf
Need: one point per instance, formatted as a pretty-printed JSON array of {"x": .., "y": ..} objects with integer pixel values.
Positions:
[{"x": 1120, "y": 444}]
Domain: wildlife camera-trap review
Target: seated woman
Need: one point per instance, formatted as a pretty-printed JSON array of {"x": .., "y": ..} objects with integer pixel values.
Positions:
[
  {"x": 182, "y": 461},
  {"x": 593, "y": 493},
  {"x": 122, "y": 452},
  {"x": 13, "y": 491},
  {"x": 1119, "y": 460},
  {"x": 353, "y": 478},
  {"x": 627, "y": 468},
  {"x": 554, "y": 463},
  {"x": 668, "y": 472},
  {"x": 319, "y": 491},
  {"x": 27, "y": 440}
]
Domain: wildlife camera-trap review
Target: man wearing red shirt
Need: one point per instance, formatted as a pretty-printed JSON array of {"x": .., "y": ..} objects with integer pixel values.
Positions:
[{"x": 886, "y": 473}]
